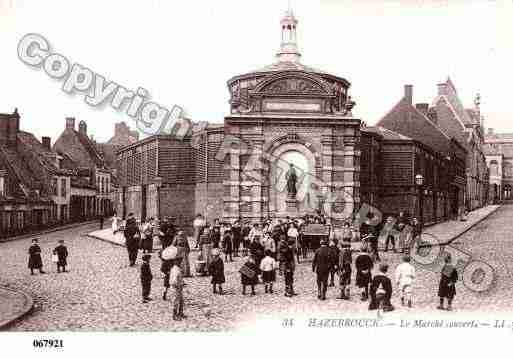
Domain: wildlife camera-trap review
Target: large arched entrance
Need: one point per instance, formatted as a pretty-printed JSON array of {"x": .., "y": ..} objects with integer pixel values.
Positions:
[{"x": 303, "y": 160}]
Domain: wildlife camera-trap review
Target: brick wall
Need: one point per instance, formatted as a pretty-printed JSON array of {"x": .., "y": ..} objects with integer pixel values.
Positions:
[
  {"x": 175, "y": 161},
  {"x": 133, "y": 201},
  {"x": 209, "y": 202},
  {"x": 177, "y": 201}
]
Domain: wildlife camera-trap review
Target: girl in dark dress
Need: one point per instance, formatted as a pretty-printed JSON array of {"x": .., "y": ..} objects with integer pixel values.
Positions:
[
  {"x": 237, "y": 238},
  {"x": 228, "y": 245},
  {"x": 363, "y": 264},
  {"x": 216, "y": 270},
  {"x": 245, "y": 240},
  {"x": 62, "y": 255},
  {"x": 381, "y": 290},
  {"x": 447, "y": 285},
  {"x": 215, "y": 236},
  {"x": 35, "y": 261}
]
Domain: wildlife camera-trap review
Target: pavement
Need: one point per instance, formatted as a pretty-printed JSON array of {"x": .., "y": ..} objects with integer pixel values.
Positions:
[
  {"x": 47, "y": 230},
  {"x": 444, "y": 232},
  {"x": 14, "y": 304},
  {"x": 448, "y": 231},
  {"x": 102, "y": 293},
  {"x": 118, "y": 238}
]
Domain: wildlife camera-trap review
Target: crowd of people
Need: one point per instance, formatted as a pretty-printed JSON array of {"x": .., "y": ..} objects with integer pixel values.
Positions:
[
  {"x": 269, "y": 248},
  {"x": 276, "y": 246}
]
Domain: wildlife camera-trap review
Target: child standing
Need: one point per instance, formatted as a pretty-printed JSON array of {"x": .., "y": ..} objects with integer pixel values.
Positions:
[
  {"x": 447, "y": 285},
  {"x": 334, "y": 254},
  {"x": 344, "y": 267},
  {"x": 35, "y": 261},
  {"x": 176, "y": 281},
  {"x": 165, "y": 268},
  {"x": 268, "y": 267},
  {"x": 62, "y": 255},
  {"x": 404, "y": 276},
  {"x": 146, "y": 278},
  {"x": 249, "y": 275},
  {"x": 216, "y": 270},
  {"x": 228, "y": 244}
]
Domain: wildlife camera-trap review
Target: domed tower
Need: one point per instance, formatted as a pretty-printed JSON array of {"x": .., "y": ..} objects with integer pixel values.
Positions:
[
  {"x": 288, "y": 113},
  {"x": 288, "y": 50}
]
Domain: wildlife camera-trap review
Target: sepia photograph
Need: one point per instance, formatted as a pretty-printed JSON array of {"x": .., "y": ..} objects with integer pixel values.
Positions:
[{"x": 211, "y": 176}]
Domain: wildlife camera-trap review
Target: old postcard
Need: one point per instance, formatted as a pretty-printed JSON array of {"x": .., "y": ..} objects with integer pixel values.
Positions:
[{"x": 250, "y": 178}]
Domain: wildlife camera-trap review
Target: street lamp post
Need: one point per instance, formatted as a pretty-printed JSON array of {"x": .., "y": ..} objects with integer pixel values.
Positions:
[
  {"x": 419, "y": 181},
  {"x": 158, "y": 184}
]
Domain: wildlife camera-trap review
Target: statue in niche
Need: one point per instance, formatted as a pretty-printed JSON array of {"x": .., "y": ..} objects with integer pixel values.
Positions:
[{"x": 291, "y": 178}]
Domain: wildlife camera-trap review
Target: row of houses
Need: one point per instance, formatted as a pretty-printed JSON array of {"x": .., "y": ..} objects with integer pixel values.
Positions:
[
  {"x": 43, "y": 185},
  {"x": 289, "y": 111},
  {"x": 442, "y": 141}
]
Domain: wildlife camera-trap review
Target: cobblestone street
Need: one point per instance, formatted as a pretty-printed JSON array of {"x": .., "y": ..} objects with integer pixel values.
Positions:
[{"x": 102, "y": 293}]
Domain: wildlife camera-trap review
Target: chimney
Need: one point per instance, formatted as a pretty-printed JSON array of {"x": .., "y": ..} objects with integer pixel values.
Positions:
[
  {"x": 46, "y": 142},
  {"x": 490, "y": 131},
  {"x": 13, "y": 128},
  {"x": 408, "y": 93},
  {"x": 70, "y": 123},
  {"x": 82, "y": 128},
  {"x": 120, "y": 129},
  {"x": 442, "y": 89},
  {"x": 422, "y": 107},
  {"x": 4, "y": 128}
]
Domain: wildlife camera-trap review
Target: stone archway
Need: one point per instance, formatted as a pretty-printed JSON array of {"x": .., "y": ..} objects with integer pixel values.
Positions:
[{"x": 304, "y": 160}]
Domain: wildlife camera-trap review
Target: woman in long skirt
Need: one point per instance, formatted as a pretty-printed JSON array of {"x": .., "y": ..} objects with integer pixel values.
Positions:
[
  {"x": 447, "y": 285},
  {"x": 35, "y": 261},
  {"x": 182, "y": 244},
  {"x": 115, "y": 224}
]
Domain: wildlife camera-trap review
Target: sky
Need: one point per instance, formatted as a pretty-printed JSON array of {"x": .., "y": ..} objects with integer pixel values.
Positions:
[{"x": 183, "y": 52}]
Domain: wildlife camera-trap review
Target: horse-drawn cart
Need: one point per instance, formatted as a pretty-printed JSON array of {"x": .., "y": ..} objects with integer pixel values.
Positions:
[{"x": 312, "y": 234}]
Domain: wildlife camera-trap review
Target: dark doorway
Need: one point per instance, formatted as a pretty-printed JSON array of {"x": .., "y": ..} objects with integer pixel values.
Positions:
[{"x": 144, "y": 190}]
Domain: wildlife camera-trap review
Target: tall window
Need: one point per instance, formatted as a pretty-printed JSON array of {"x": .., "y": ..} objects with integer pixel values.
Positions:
[
  {"x": 63, "y": 187},
  {"x": 55, "y": 191},
  {"x": 494, "y": 168}
]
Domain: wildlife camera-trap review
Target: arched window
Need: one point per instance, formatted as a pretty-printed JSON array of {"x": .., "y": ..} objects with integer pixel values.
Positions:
[{"x": 494, "y": 168}]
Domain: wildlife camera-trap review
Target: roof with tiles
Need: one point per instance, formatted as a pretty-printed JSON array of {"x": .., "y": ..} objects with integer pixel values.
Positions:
[
  {"x": 386, "y": 133},
  {"x": 408, "y": 121}
]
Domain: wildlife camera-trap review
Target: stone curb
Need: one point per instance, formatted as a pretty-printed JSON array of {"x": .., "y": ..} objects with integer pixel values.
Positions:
[
  {"x": 27, "y": 308},
  {"x": 104, "y": 240},
  {"x": 50, "y": 230},
  {"x": 121, "y": 244},
  {"x": 450, "y": 240}
]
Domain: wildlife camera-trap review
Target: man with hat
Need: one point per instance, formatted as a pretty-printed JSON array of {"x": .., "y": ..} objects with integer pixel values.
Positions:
[
  {"x": 321, "y": 265},
  {"x": 146, "y": 277},
  {"x": 61, "y": 251},
  {"x": 131, "y": 241},
  {"x": 286, "y": 265}
]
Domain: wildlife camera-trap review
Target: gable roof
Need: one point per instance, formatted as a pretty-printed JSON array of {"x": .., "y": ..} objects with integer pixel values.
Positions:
[
  {"x": 406, "y": 120},
  {"x": 42, "y": 154},
  {"x": 385, "y": 133},
  {"x": 90, "y": 148}
]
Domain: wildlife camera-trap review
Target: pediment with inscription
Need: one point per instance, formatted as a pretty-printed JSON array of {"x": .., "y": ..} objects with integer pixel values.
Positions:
[{"x": 293, "y": 85}]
